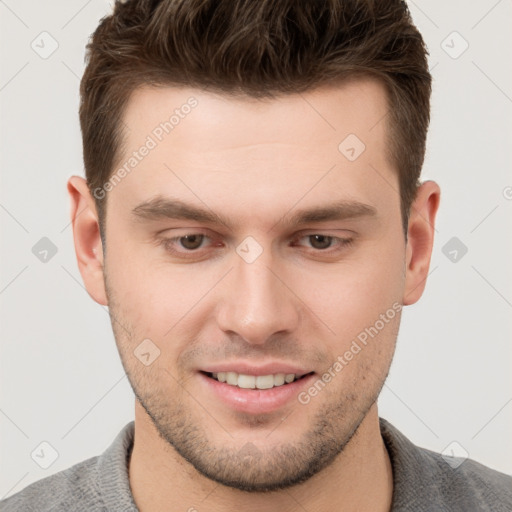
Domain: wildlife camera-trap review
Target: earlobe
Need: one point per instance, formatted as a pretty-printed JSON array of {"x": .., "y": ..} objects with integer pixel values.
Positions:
[
  {"x": 87, "y": 239},
  {"x": 420, "y": 240}
]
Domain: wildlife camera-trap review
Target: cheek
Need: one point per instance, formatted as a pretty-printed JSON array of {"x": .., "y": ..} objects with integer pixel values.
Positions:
[
  {"x": 136, "y": 290},
  {"x": 352, "y": 295},
  {"x": 156, "y": 300}
]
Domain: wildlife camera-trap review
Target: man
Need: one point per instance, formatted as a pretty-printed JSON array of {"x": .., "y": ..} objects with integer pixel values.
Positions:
[{"x": 253, "y": 218}]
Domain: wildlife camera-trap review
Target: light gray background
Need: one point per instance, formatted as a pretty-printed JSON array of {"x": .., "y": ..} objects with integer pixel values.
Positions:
[{"x": 61, "y": 379}]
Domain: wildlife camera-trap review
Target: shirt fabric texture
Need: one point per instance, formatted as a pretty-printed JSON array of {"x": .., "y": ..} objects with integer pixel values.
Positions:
[{"x": 423, "y": 482}]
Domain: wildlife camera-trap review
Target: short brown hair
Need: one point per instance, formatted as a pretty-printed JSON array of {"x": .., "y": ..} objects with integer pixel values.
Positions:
[{"x": 260, "y": 49}]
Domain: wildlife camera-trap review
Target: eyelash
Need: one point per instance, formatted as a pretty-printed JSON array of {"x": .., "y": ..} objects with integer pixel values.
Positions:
[{"x": 167, "y": 244}]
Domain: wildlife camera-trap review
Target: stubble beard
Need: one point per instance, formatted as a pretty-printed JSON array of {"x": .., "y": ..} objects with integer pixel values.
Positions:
[{"x": 246, "y": 468}]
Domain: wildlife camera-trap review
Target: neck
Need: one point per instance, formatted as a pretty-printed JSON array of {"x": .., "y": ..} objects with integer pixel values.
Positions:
[{"x": 360, "y": 478}]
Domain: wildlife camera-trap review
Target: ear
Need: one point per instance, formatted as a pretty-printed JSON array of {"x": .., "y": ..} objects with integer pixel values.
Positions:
[
  {"x": 86, "y": 234},
  {"x": 420, "y": 240}
]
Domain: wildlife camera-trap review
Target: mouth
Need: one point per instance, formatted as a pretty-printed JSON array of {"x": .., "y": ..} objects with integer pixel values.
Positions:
[
  {"x": 260, "y": 382},
  {"x": 254, "y": 388}
]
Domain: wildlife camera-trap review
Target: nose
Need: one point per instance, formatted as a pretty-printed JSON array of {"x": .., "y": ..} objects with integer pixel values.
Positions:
[{"x": 257, "y": 301}]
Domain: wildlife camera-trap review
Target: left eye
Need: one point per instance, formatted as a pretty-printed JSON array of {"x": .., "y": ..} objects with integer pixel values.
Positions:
[
  {"x": 320, "y": 242},
  {"x": 184, "y": 246},
  {"x": 191, "y": 242}
]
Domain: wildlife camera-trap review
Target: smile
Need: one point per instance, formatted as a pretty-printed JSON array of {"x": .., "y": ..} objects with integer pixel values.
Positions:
[{"x": 245, "y": 381}]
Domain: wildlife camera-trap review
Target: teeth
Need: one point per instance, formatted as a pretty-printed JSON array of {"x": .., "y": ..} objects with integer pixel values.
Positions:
[
  {"x": 232, "y": 378},
  {"x": 264, "y": 381},
  {"x": 279, "y": 379},
  {"x": 247, "y": 381},
  {"x": 252, "y": 382}
]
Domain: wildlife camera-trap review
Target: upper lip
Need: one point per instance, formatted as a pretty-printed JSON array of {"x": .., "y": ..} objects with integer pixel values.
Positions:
[{"x": 270, "y": 368}]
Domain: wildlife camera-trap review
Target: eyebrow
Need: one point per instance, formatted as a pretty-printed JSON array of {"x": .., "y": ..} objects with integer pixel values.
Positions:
[{"x": 160, "y": 208}]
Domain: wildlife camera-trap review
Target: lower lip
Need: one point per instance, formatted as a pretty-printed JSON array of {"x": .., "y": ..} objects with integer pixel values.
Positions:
[{"x": 256, "y": 401}]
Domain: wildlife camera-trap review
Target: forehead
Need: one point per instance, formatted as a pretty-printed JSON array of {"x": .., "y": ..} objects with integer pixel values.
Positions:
[
  {"x": 354, "y": 106},
  {"x": 209, "y": 147}
]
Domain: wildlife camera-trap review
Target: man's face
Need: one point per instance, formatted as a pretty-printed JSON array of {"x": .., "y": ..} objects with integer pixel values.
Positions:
[{"x": 256, "y": 294}]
